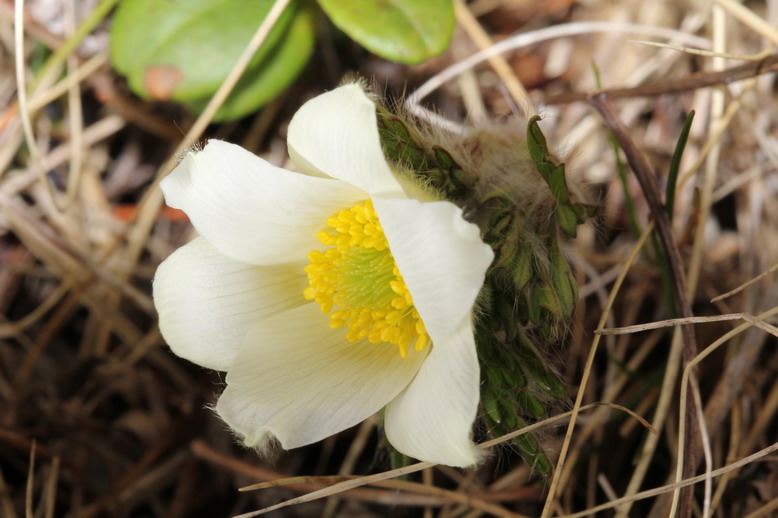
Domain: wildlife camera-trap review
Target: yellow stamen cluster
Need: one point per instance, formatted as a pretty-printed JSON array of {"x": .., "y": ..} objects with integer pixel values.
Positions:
[{"x": 356, "y": 280}]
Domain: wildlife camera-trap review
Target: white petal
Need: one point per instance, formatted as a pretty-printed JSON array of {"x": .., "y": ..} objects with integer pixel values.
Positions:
[
  {"x": 299, "y": 380},
  {"x": 207, "y": 302},
  {"x": 432, "y": 419},
  {"x": 336, "y": 134},
  {"x": 251, "y": 210},
  {"x": 440, "y": 256}
]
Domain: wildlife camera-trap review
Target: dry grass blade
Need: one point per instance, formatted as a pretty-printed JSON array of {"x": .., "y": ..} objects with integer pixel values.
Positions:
[
  {"x": 498, "y": 62},
  {"x": 590, "y": 359},
  {"x": 745, "y": 15},
  {"x": 761, "y": 324},
  {"x": 745, "y": 285},
  {"x": 531, "y": 38},
  {"x": 647, "y": 181},
  {"x": 707, "y": 53},
  {"x": 765, "y": 65},
  {"x": 24, "y": 109},
  {"x": 672, "y": 487},
  {"x": 28, "y": 510},
  {"x": 342, "y": 484}
]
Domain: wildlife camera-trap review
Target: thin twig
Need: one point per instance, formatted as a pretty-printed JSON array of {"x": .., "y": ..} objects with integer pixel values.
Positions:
[
  {"x": 692, "y": 320},
  {"x": 671, "y": 487},
  {"x": 587, "y": 369},
  {"x": 498, "y": 62},
  {"x": 24, "y": 110},
  {"x": 691, "y": 82},
  {"x": 530, "y": 38},
  {"x": 647, "y": 181},
  {"x": 348, "y": 485},
  {"x": 746, "y": 284}
]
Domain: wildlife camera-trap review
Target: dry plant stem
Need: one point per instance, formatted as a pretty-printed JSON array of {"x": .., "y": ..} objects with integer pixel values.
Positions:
[
  {"x": 747, "y": 16},
  {"x": 51, "y": 488},
  {"x": 712, "y": 161},
  {"x": 142, "y": 300},
  {"x": 348, "y": 485},
  {"x": 44, "y": 96},
  {"x": 707, "y": 53},
  {"x": 671, "y": 487},
  {"x": 76, "y": 271},
  {"x": 24, "y": 111},
  {"x": 71, "y": 44},
  {"x": 74, "y": 77},
  {"x": 704, "y": 354},
  {"x": 765, "y": 510},
  {"x": 98, "y": 131},
  {"x": 692, "y": 82},
  {"x": 427, "y": 480},
  {"x": 756, "y": 322},
  {"x": 498, "y": 63},
  {"x": 612, "y": 392},
  {"x": 705, "y": 439},
  {"x": 531, "y": 38},
  {"x": 30, "y": 478},
  {"x": 149, "y": 206},
  {"x": 735, "y": 440},
  {"x": 12, "y": 328},
  {"x": 746, "y": 284},
  {"x": 550, "y": 499},
  {"x": 75, "y": 118},
  {"x": 347, "y": 466},
  {"x": 645, "y": 177},
  {"x": 413, "y": 494}
]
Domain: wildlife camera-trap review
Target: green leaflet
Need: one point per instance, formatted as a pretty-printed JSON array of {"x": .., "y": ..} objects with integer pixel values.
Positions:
[
  {"x": 183, "y": 50},
  {"x": 407, "y": 31},
  {"x": 569, "y": 213}
]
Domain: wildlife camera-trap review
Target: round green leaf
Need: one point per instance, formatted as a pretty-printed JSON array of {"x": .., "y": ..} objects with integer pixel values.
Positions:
[
  {"x": 182, "y": 50},
  {"x": 408, "y": 31},
  {"x": 262, "y": 83}
]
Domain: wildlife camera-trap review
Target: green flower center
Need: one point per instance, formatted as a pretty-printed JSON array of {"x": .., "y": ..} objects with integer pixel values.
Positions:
[{"x": 356, "y": 281}]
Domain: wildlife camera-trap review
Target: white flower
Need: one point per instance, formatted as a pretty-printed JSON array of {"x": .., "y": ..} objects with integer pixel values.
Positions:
[{"x": 292, "y": 290}]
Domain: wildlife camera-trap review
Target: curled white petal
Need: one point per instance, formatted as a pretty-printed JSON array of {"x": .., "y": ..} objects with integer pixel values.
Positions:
[
  {"x": 251, "y": 210},
  {"x": 336, "y": 134},
  {"x": 300, "y": 381},
  {"x": 441, "y": 257},
  {"x": 207, "y": 301},
  {"x": 432, "y": 419}
]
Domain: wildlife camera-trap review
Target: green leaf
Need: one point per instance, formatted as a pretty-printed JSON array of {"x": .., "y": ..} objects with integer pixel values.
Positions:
[
  {"x": 407, "y": 31},
  {"x": 183, "y": 50},
  {"x": 563, "y": 281},
  {"x": 398, "y": 143},
  {"x": 569, "y": 214},
  {"x": 675, "y": 164},
  {"x": 263, "y": 83}
]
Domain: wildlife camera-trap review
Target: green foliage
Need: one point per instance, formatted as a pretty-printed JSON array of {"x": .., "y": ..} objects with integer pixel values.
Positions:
[
  {"x": 434, "y": 165},
  {"x": 569, "y": 213},
  {"x": 407, "y": 31},
  {"x": 675, "y": 164},
  {"x": 509, "y": 387},
  {"x": 183, "y": 50}
]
